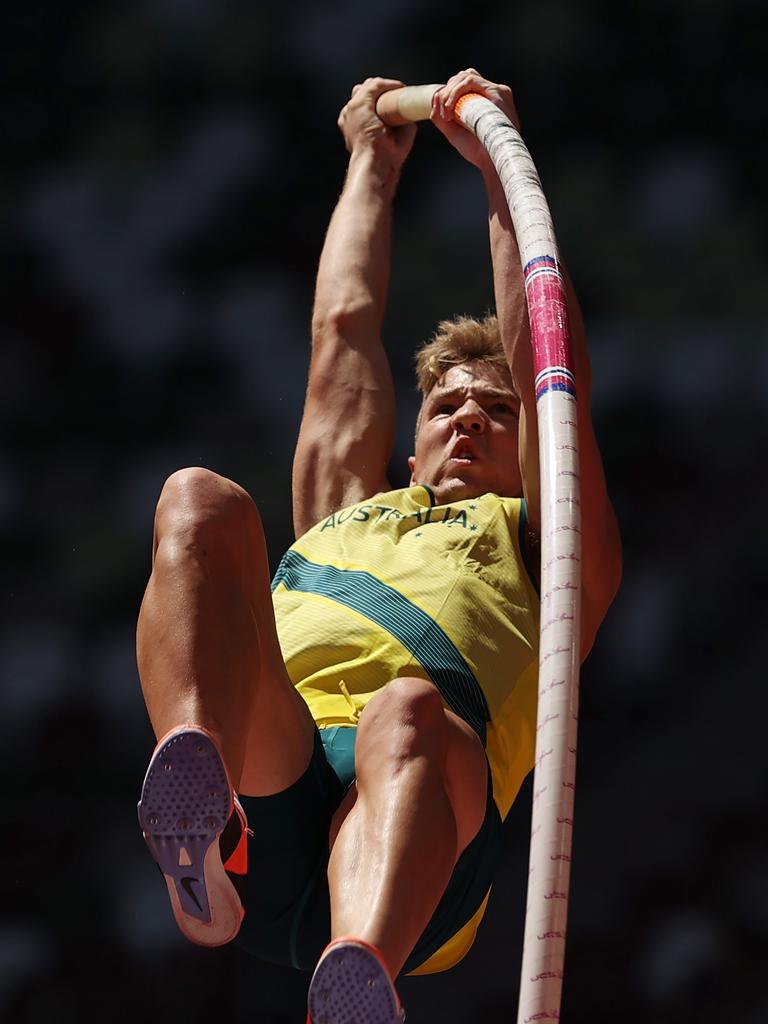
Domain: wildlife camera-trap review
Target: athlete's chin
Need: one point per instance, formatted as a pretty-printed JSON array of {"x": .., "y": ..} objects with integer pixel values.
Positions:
[
  {"x": 459, "y": 488},
  {"x": 472, "y": 481}
]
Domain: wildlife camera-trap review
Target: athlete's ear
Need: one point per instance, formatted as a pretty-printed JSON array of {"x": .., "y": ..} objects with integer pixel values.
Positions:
[{"x": 411, "y": 464}]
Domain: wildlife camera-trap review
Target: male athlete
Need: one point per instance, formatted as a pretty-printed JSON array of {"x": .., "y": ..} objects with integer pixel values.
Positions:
[{"x": 375, "y": 714}]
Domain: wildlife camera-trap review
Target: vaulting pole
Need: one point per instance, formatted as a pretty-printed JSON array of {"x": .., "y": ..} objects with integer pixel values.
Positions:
[{"x": 557, "y": 715}]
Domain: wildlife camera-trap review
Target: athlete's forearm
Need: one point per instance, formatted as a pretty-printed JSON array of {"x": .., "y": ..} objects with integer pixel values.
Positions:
[
  {"x": 512, "y": 313},
  {"x": 349, "y": 373},
  {"x": 353, "y": 275},
  {"x": 601, "y": 545}
]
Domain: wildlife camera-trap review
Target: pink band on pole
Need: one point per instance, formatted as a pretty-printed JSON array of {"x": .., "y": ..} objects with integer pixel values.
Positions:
[{"x": 548, "y": 314}]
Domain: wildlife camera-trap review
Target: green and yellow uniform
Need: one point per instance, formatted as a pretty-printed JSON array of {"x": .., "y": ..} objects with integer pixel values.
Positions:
[{"x": 399, "y": 586}]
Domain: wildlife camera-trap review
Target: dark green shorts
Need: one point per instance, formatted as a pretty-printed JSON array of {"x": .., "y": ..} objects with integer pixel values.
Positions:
[{"x": 287, "y": 919}]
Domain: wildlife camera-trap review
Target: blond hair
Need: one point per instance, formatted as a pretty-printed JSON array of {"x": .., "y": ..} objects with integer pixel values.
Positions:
[{"x": 461, "y": 340}]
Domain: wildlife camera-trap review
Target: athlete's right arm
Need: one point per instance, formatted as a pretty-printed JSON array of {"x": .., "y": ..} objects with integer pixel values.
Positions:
[{"x": 347, "y": 430}]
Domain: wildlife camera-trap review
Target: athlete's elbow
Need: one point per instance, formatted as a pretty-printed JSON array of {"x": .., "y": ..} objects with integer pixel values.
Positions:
[{"x": 341, "y": 320}]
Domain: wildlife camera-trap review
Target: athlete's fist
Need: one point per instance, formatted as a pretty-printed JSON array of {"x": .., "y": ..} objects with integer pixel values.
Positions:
[
  {"x": 445, "y": 99},
  {"x": 362, "y": 127}
]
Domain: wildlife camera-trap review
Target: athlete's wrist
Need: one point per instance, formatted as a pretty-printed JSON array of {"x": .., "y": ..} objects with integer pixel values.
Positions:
[{"x": 376, "y": 170}]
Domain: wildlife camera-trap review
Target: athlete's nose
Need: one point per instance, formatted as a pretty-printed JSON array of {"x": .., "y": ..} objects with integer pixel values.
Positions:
[{"x": 469, "y": 419}]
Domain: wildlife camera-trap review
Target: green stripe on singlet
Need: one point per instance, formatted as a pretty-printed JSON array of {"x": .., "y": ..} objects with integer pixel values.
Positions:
[{"x": 414, "y": 628}]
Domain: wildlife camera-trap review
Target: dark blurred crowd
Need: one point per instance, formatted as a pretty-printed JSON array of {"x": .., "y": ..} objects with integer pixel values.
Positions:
[{"x": 168, "y": 172}]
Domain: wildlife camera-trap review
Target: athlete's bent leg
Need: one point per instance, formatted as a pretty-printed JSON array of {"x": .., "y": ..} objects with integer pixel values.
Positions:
[
  {"x": 420, "y": 800},
  {"x": 206, "y": 640},
  {"x": 219, "y": 698}
]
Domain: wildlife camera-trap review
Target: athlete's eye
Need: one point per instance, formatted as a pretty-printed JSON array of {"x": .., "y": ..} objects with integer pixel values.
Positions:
[
  {"x": 504, "y": 409},
  {"x": 446, "y": 409}
]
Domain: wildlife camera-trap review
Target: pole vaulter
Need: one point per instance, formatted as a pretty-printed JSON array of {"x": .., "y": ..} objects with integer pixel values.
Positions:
[{"x": 337, "y": 746}]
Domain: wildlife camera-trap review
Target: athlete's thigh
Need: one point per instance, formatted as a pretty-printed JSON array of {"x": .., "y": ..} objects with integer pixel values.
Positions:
[
  {"x": 466, "y": 779},
  {"x": 280, "y": 729},
  {"x": 465, "y": 775}
]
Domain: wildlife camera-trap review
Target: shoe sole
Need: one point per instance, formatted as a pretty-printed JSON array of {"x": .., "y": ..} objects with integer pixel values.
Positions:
[
  {"x": 186, "y": 801},
  {"x": 351, "y": 986}
]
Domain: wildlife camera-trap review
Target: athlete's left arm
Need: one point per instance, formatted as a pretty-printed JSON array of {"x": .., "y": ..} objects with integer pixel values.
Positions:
[{"x": 600, "y": 540}]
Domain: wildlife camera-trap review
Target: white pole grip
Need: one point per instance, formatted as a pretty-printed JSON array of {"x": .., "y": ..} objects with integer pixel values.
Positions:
[{"x": 403, "y": 106}]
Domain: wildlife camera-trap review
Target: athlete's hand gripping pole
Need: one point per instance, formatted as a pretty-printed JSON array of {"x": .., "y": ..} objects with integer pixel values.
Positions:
[{"x": 554, "y": 775}]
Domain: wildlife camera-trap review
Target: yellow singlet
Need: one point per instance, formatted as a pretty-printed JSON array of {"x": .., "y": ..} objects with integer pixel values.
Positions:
[{"x": 398, "y": 585}]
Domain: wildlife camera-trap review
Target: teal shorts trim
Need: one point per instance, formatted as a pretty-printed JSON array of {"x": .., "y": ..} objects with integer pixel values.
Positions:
[{"x": 287, "y": 918}]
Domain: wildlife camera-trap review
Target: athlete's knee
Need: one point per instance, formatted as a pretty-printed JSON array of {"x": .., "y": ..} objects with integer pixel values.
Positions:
[
  {"x": 406, "y": 717},
  {"x": 199, "y": 508}
]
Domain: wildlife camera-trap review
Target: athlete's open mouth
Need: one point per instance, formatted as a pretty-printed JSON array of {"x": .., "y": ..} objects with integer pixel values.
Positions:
[{"x": 463, "y": 451}]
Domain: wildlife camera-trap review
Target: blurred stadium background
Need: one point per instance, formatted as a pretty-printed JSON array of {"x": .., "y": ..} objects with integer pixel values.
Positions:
[{"x": 169, "y": 168}]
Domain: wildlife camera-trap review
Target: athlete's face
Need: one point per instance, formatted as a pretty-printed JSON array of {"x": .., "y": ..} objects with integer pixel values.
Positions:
[{"x": 467, "y": 437}]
